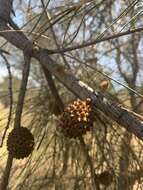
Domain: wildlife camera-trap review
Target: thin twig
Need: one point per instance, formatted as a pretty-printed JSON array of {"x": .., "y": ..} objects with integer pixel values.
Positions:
[
  {"x": 26, "y": 69},
  {"x": 10, "y": 98},
  {"x": 18, "y": 115},
  {"x": 96, "y": 41},
  {"x": 6, "y": 173},
  {"x": 53, "y": 89},
  {"x": 95, "y": 184}
]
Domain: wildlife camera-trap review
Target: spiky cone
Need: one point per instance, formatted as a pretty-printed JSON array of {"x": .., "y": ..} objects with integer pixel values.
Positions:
[
  {"x": 20, "y": 143},
  {"x": 76, "y": 119},
  {"x": 105, "y": 178}
]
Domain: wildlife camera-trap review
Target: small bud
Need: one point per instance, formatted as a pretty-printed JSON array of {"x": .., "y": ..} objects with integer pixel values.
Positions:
[{"x": 103, "y": 86}]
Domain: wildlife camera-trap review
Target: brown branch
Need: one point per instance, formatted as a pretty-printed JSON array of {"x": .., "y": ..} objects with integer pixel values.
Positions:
[
  {"x": 115, "y": 112},
  {"x": 10, "y": 98},
  {"x": 26, "y": 69},
  {"x": 5, "y": 9},
  {"x": 14, "y": 37},
  {"x": 122, "y": 116},
  {"x": 6, "y": 174},
  {"x": 53, "y": 89},
  {"x": 48, "y": 75},
  {"x": 17, "y": 122},
  {"x": 53, "y": 33},
  {"x": 96, "y": 41}
]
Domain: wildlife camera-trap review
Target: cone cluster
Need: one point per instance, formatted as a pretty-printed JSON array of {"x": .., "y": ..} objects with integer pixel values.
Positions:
[
  {"x": 20, "y": 143},
  {"x": 76, "y": 119}
]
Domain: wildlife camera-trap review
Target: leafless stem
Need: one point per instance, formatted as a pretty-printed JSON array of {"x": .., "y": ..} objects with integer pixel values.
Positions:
[
  {"x": 6, "y": 173},
  {"x": 53, "y": 89},
  {"x": 11, "y": 99},
  {"x": 96, "y": 41},
  {"x": 17, "y": 122},
  {"x": 95, "y": 184},
  {"x": 26, "y": 68}
]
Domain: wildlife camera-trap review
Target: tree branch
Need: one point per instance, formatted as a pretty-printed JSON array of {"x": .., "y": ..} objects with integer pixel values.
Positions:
[
  {"x": 17, "y": 122},
  {"x": 96, "y": 41},
  {"x": 18, "y": 39},
  {"x": 122, "y": 116},
  {"x": 10, "y": 98},
  {"x": 53, "y": 89},
  {"x": 5, "y": 9}
]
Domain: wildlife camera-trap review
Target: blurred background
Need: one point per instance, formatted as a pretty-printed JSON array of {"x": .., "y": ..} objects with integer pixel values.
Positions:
[{"x": 58, "y": 162}]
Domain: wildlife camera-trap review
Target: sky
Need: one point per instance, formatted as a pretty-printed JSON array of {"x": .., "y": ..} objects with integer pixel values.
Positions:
[{"x": 19, "y": 19}]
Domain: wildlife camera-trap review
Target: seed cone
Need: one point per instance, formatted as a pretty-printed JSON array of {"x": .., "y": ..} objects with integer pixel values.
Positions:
[
  {"x": 105, "y": 178},
  {"x": 20, "y": 143},
  {"x": 76, "y": 119}
]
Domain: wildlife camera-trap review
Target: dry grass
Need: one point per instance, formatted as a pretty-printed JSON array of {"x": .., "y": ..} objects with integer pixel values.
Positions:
[{"x": 38, "y": 168}]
